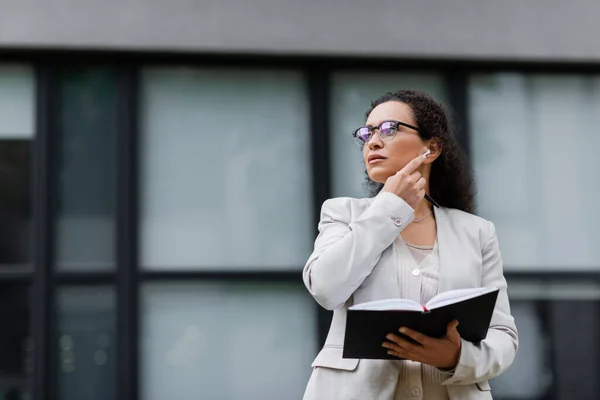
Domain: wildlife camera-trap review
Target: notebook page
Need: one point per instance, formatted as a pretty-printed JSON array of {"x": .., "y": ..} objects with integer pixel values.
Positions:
[
  {"x": 456, "y": 296},
  {"x": 389, "y": 305}
]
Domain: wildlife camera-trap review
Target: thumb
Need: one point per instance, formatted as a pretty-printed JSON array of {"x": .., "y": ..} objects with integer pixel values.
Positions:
[{"x": 451, "y": 331}]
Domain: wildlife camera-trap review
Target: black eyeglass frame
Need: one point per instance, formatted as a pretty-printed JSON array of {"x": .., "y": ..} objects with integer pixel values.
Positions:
[{"x": 385, "y": 138}]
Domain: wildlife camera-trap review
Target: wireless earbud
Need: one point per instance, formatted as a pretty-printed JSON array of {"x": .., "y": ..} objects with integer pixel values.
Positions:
[{"x": 427, "y": 152}]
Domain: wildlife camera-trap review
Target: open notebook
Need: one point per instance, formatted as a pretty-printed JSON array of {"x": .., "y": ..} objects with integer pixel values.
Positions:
[{"x": 368, "y": 323}]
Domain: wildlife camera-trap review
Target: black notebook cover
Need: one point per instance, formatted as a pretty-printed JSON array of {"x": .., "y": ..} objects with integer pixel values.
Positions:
[{"x": 366, "y": 330}]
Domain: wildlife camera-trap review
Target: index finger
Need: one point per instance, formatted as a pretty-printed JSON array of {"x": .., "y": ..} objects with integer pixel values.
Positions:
[{"x": 413, "y": 164}]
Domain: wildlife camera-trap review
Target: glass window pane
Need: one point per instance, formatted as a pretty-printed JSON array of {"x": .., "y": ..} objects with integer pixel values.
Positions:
[
  {"x": 225, "y": 169},
  {"x": 15, "y": 341},
  {"x": 534, "y": 140},
  {"x": 352, "y": 94},
  {"x": 530, "y": 377},
  {"x": 16, "y": 136},
  {"x": 87, "y": 174},
  {"x": 226, "y": 341},
  {"x": 576, "y": 328},
  {"x": 17, "y": 102},
  {"x": 559, "y": 325},
  {"x": 86, "y": 325}
]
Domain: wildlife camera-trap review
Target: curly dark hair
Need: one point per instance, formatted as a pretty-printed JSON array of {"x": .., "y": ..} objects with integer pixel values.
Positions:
[{"x": 451, "y": 183}]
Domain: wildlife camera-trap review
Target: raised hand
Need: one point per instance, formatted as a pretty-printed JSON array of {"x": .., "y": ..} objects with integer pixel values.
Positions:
[{"x": 408, "y": 183}]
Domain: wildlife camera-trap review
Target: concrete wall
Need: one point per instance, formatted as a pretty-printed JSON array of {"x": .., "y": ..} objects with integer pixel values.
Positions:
[{"x": 469, "y": 29}]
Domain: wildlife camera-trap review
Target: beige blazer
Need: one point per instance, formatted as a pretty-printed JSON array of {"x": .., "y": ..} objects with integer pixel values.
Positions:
[{"x": 354, "y": 261}]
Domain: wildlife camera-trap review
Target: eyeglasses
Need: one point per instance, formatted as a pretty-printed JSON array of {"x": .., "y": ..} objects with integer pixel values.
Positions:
[{"x": 387, "y": 131}]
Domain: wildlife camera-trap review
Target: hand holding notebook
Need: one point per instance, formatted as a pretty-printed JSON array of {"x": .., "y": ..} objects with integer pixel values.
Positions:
[
  {"x": 441, "y": 352},
  {"x": 368, "y": 324}
]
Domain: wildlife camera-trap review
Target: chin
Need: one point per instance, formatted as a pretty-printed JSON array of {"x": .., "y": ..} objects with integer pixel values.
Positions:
[{"x": 379, "y": 176}]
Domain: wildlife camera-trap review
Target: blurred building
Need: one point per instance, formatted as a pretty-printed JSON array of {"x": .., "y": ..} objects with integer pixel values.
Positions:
[{"x": 162, "y": 166}]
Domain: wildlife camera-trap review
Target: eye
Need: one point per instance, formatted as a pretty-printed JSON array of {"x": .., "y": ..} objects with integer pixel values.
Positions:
[
  {"x": 362, "y": 135},
  {"x": 388, "y": 128}
]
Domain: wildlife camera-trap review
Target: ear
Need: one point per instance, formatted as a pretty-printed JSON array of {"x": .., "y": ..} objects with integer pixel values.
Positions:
[{"x": 435, "y": 147}]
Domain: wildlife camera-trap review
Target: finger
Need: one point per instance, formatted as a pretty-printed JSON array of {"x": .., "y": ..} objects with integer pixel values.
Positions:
[
  {"x": 402, "y": 344},
  {"x": 452, "y": 325},
  {"x": 415, "y": 176},
  {"x": 411, "y": 352},
  {"x": 400, "y": 355},
  {"x": 398, "y": 351},
  {"x": 451, "y": 330},
  {"x": 414, "y": 335},
  {"x": 413, "y": 164},
  {"x": 393, "y": 338},
  {"x": 393, "y": 347},
  {"x": 421, "y": 183}
]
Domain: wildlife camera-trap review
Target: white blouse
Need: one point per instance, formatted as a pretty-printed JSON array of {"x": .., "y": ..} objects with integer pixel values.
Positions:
[{"x": 419, "y": 266}]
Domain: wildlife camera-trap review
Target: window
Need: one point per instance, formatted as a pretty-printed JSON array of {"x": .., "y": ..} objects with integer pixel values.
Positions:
[
  {"x": 226, "y": 340},
  {"x": 15, "y": 341},
  {"x": 225, "y": 170},
  {"x": 558, "y": 323},
  {"x": 86, "y": 343},
  {"x": 352, "y": 94},
  {"x": 16, "y": 135},
  {"x": 534, "y": 140},
  {"x": 530, "y": 377},
  {"x": 87, "y": 171}
]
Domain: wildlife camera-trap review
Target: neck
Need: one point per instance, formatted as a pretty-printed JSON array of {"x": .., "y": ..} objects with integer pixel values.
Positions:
[{"x": 423, "y": 208}]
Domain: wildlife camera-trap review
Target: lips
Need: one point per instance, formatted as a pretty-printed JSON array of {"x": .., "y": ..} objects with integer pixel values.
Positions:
[{"x": 374, "y": 158}]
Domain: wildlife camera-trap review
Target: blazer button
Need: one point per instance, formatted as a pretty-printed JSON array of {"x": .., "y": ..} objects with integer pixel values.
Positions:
[
  {"x": 416, "y": 272},
  {"x": 398, "y": 222}
]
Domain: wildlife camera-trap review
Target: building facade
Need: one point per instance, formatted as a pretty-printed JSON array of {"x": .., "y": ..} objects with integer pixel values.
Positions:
[{"x": 163, "y": 164}]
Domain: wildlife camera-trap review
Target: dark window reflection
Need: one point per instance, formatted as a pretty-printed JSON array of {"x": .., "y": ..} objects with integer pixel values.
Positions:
[
  {"x": 87, "y": 170},
  {"x": 15, "y": 343},
  {"x": 530, "y": 376},
  {"x": 15, "y": 200},
  {"x": 576, "y": 330},
  {"x": 558, "y": 352},
  {"x": 86, "y": 343}
]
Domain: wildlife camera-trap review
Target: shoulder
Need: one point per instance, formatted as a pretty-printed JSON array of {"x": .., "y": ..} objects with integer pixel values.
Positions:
[
  {"x": 344, "y": 208},
  {"x": 472, "y": 224},
  {"x": 462, "y": 217},
  {"x": 346, "y": 202}
]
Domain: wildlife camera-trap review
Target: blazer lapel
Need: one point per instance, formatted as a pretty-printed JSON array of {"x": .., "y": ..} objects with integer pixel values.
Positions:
[
  {"x": 456, "y": 263},
  {"x": 446, "y": 250}
]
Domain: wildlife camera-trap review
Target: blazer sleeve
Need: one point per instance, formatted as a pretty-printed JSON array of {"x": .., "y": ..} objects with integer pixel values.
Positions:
[
  {"x": 346, "y": 250},
  {"x": 487, "y": 359}
]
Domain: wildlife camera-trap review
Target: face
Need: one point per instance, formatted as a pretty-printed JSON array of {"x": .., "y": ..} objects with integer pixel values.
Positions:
[{"x": 397, "y": 152}]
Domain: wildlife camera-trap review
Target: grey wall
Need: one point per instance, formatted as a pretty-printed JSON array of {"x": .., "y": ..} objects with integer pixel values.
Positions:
[{"x": 470, "y": 29}]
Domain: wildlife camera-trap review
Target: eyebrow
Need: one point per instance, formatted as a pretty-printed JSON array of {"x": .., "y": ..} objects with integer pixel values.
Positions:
[{"x": 381, "y": 122}]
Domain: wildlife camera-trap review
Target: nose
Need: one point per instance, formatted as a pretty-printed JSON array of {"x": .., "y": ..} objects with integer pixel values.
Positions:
[{"x": 375, "y": 141}]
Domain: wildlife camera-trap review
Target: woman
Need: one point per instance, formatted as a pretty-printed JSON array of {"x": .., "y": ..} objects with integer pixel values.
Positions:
[{"x": 397, "y": 244}]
